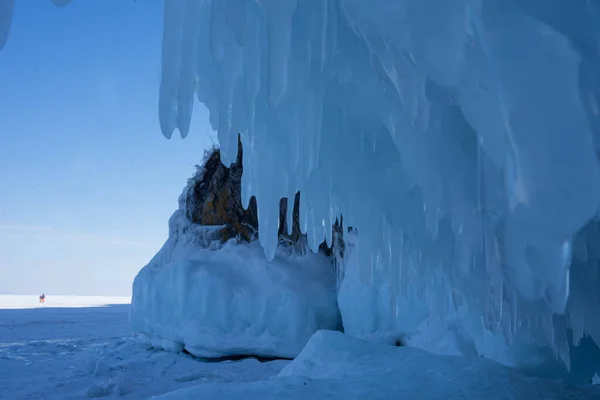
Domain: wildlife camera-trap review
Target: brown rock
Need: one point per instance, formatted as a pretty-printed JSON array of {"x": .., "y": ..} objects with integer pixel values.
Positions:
[{"x": 215, "y": 200}]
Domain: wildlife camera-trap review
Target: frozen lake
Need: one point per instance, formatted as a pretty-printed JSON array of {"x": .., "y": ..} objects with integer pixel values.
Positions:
[
  {"x": 82, "y": 347},
  {"x": 75, "y": 347}
]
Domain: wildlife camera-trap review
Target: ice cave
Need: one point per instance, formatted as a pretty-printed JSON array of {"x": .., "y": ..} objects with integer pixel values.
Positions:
[{"x": 458, "y": 139}]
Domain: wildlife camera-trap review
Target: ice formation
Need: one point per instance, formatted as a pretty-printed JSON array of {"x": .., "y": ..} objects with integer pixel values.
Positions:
[
  {"x": 217, "y": 300},
  {"x": 233, "y": 302},
  {"x": 6, "y": 15},
  {"x": 6, "y": 12},
  {"x": 459, "y": 137}
]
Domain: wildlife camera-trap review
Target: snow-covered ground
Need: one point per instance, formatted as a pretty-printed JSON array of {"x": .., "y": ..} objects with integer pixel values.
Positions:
[
  {"x": 73, "y": 348},
  {"x": 65, "y": 352},
  {"x": 337, "y": 366}
]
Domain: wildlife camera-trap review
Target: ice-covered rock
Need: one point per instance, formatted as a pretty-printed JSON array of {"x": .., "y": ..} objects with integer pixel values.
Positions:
[
  {"x": 216, "y": 297},
  {"x": 234, "y": 302},
  {"x": 213, "y": 197}
]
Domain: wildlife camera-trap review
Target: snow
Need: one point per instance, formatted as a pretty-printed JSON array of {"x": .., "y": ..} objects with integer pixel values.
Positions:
[
  {"x": 89, "y": 351},
  {"x": 460, "y": 138},
  {"x": 334, "y": 365},
  {"x": 84, "y": 350}
]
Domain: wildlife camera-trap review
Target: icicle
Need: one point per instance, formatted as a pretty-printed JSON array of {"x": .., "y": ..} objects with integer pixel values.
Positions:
[
  {"x": 290, "y": 213},
  {"x": 279, "y": 15},
  {"x": 172, "y": 53},
  {"x": 6, "y": 15},
  {"x": 374, "y": 119},
  {"x": 189, "y": 54}
]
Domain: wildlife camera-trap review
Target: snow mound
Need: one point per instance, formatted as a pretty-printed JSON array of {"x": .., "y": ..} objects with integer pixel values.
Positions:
[
  {"x": 234, "y": 302},
  {"x": 333, "y": 365}
]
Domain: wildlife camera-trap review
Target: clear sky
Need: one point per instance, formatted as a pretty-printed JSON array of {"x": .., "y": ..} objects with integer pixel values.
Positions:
[{"x": 87, "y": 181}]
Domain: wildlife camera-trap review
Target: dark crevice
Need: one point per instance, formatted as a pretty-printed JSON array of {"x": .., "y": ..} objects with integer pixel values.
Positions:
[{"x": 234, "y": 358}]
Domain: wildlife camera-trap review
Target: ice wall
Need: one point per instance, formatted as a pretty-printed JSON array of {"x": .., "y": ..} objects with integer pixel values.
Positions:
[{"x": 460, "y": 137}]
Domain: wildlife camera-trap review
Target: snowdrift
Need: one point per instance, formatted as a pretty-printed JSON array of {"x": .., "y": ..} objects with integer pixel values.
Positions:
[{"x": 334, "y": 365}]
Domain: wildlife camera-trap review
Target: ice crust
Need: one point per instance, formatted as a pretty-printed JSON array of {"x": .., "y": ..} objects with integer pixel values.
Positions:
[
  {"x": 219, "y": 300},
  {"x": 460, "y": 137}
]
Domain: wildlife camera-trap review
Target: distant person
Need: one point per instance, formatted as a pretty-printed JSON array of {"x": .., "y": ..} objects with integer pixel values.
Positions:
[{"x": 42, "y": 297}]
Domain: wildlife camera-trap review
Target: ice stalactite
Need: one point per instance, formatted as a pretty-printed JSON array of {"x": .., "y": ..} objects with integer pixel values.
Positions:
[
  {"x": 6, "y": 15},
  {"x": 458, "y": 137}
]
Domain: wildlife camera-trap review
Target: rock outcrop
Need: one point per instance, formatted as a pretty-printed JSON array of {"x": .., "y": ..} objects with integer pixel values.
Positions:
[{"x": 215, "y": 200}]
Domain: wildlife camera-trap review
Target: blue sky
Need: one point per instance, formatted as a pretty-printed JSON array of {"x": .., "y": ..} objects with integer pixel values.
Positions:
[{"x": 87, "y": 181}]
